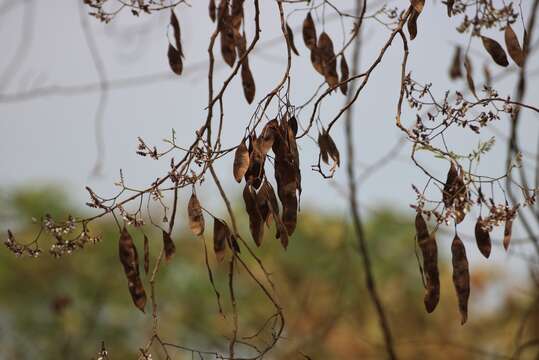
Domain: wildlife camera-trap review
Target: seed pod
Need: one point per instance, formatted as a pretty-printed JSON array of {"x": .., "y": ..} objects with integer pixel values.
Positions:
[
  {"x": 129, "y": 259},
  {"x": 418, "y": 5},
  {"x": 221, "y": 236},
  {"x": 513, "y": 46},
  {"x": 429, "y": 251},
  {"x": 241, "y": 161},
  {"x": 256, "y": 222},
  {"x": 455, "y": 72},
  {"x": 291, "y": 39},
  {"x": 196, "y": 218},
  {"x": 412, "y": 24},
  {"x": 212, "y": 10},
  {"x": 146, "y": 255},
  {"x": 449, "y": 4},
  {"x": 508, "y": 229},
  {"x": 328, "y": 148},
  {"x": 226, "y": 30},
  {"x": 469, "y": 75},
  {"x": 345, "y": 73},
  {"x": 495, "y": 50},
  {"x": 248, "y": 82},
  {"x": 449, "y": 191},
  {"x": 329, "y": 63},
  {"x": 461, "y": 276},
  {"x": 316, "y": 60},
  {"x": 175, "y": 52},
  {"x": 482, "y": 237},
  {"x": 309, "y": 32},
  {"x": 168, "y": 244}
]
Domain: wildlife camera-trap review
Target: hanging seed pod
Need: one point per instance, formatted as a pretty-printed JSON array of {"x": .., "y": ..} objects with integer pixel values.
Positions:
[
  {"x": 450, "y": 190},
  {"x": 461, "y": 276},
  {"x": 248, "y": 82},
  {"x": 316, "y": 60},
  {"x": 429, "y": 251},
  {"x": 345, "y": 73},
  {"x": 309, "y": 32},
  {"x": 418, "y": 5},
  {"x": 329, "y": 63},
  {"x": 175, "y": 52},
  {"x": 129, "y": 259},
  {"x": 412, "y": 24},
  {"x": 196, "y": 218},
  {"x": 221, "y": 236},
  {"x": 226, "y": 30},
  {"x": 482, "y": 237},
  {"x": 291, "y": 39},
  {"x": 513, "y": 46},
  {"x": 212, "y": 10},
  {"x": 146, "y": 255},
  {"x": 256, "y": 222},
  {"x": 328, "y": 149},
  {"x": 241, "y": 161},
  {"x": 455, "y": 71},
  {"x": 469, "y": 75},
  {"x": 495, "y": 50},
  {"x": 168, "y": 244}
]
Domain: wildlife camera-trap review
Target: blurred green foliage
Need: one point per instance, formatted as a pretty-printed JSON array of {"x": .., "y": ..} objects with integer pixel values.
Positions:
[{"x": 63, "y": 308}]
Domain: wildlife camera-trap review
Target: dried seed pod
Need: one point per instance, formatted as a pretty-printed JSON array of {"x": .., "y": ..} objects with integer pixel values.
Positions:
[
  {"x": 175, "y": 52},
  {"x": 513, "y": 46},
  {"x": 256, "y": 222},
  {"x": 226, "y": 30},
  {"x": 461, "y": 276},
  {"x": 482, "y": 237},
  {"x": 507, "y": 231},
  {"x": 237, "y": 14},
  {"x": 168, "y": 244},
  {"x": 255, "y": 172},
  {"x": 345, "y": 73},
  {"x": 328, "y": 148},
  {"x": 329, "y": 63},
  {"x": 221, "y": 236},
  {"x": 429, "y": 251},
  {"x": 316, "y": 60},
  {"x": 146, "y": 255},
  {"x": 449, "y": 4},
  {"x": 248, "y": 82},
  {"x": 241, "y": 161},
  {"x": 291, "y": 39},
  {"x": 469, "y": 75},
  {"x": 212, "y": 10},
  {"x": 129, "y": 259},
  {"x": 495, "y": 50},
  {"x": 412, "y": 24},
  {"x": 309, "y": 32},
  {"x": 455, "y": 71},
  {"x": 196, "y": 218}
]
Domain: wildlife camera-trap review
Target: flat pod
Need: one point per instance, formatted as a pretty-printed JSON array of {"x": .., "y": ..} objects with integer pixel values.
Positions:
[
  {"x": 241, "y": 161},
  {"x": 461, "y": 276},
  {"x": 507, "y": 231},
  {"x": 455, "y": 71},
  {"x": 450, "y": 191},
  {"x": 196, "y": 218},
  {"x": 256, "y": 222},
  {"x": 291, "y": 39},
  {"x": 469, "y": 75},
  {"x": 429, "y": 251},
  {"x": 309, "y": 32},
  {"x": 228, "y": 43},
  {"x": 418, "y": 5},
  {"x": 129, "y": 259},
  {"x": 168, "y": 245},
  {"x": 212, "y": 10},
  {"x": 513, "y": 46},
  {"x": 175, "y": 52},
  {"x": 221, "y": 236},
  {"x": 248, "y": 83},
  {"x": 482, "y": 237},
  {"x": 412, "y": 24},
  {"x": 495, "y": 50},
  {"x": 328, "y": 149},
  {"x": 329, "y": 63}
]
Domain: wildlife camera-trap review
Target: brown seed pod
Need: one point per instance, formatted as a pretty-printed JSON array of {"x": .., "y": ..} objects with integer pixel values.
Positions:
[
  {"x": 309, "y": 32},
  {"x": 461, "y": 276},
  {"x": 513, "y": 46},
  {"x": 175, "y": 52},
  {"x": 212, "y": 10},
  {"x": 450, "y": 190},
  {"x": 469, "y": 75},
  {"x": 248, "y": 82},
  {"x": 241, "y": 161},
  {"x": 429, "y": 251},
  {"x": 329, "y": 63},
  {"x": 168, "y": 244},
  {"x": 146, "y": 255},
  {"x": 345, "y": 73},
  {"x": 328, "y": 149},
  {"x": 129, "y": 259},
  {"x": 291, "y": 39},
  {"x": 482, "y": 237},
  {"x": 316, "y": 60},
  {"x": 455, "y": 71},
  {"x": 226, "y": 30},
  {"x": 196, "y": 218},
  {"x": 495, "y": 50},
  {"x": 418, "y": 5},
  {"x": 221, "y": 236},
  {"x": 412, "y": 24},
  {"x": 256, "y": 221}
]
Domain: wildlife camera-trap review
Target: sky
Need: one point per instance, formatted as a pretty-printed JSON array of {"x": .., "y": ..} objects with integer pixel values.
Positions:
[{"x": 50, "y": 138}]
